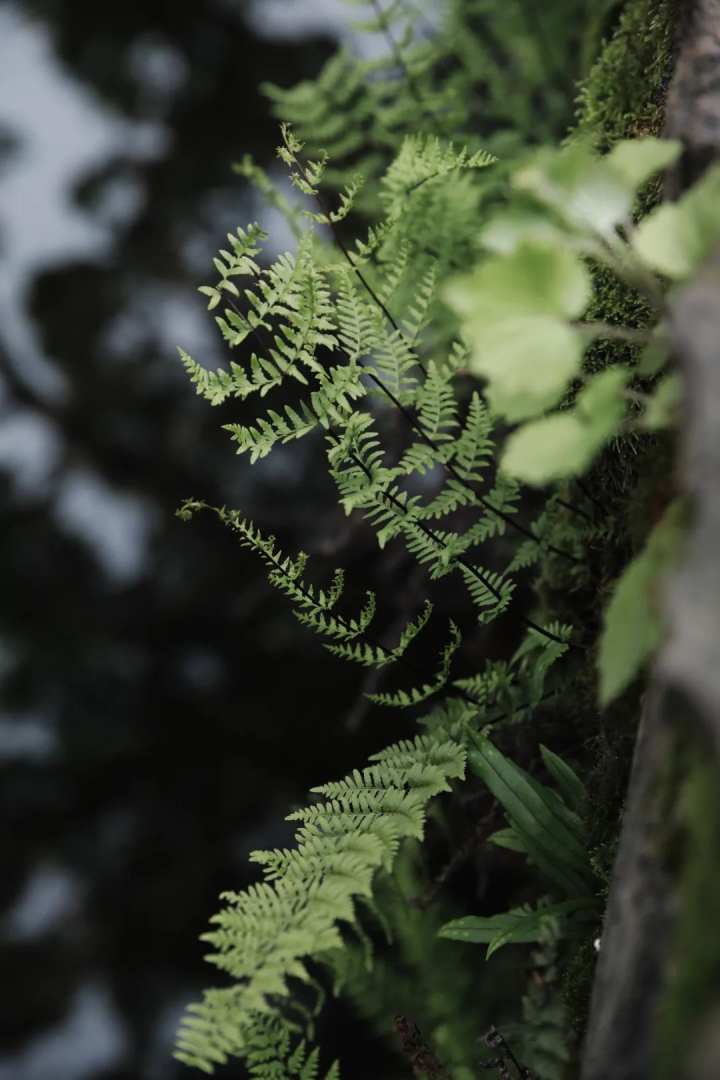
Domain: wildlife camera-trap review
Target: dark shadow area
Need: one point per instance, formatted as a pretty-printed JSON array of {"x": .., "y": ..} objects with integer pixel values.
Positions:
[{"x": 161, "y": 711}]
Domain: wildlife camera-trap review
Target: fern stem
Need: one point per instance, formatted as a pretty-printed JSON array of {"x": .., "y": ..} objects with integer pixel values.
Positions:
[
  {"x": 589, "y": 495},
  {"x": 575, "y": 510},
  {"x": 452, "y": 471}
]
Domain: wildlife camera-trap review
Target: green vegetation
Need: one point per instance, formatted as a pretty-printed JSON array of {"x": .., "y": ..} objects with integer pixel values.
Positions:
[{"x": 466, "y": 318}]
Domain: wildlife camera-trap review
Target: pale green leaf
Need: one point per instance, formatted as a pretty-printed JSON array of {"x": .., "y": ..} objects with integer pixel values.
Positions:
[
  {"x": 632, "y": 626},
  {"x": 676, "y": 237},
  {"x": 564, "y": 444},
  {"x": 515, "y": 309},
  {"x": 669, "y": 241},
  {"x": 534, "y": 279},
  {"x": 655, "y": 354},
  {"x": 529, "y": 362},
  {"x": 662, "y": 408},
  {"x": 638, "y": 159},
  {"x": 549, "y": 449},
  {"x": 585, "y": 190},
  {"x": 601, "y": 402},
  {"x": 510, "y": 229}
]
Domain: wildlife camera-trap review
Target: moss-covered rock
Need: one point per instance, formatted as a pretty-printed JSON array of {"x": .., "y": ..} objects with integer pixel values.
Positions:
[{"x": 624, "y": 92}]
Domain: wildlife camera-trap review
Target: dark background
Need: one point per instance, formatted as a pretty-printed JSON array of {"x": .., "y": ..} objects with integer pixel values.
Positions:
[{"x": 161, "y": 711}]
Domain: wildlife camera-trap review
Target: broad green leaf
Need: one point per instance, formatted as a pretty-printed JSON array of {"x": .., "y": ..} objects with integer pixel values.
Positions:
[
  {"x": 550, "y": 841},
  {"x": 507, "y": 838},
  {"x": 529, "y": 362},
  {"x": 564, "y": 444},
  {"x": 534, "y": 279},
  {"x": 584, "y": 189},
  {"x": 570, "y": 785},
  {"x": 663, "y": 404},
  {"x": 676, "y": 237},
  {"x": 632, "y": 625},
  {"x": 517, "y": 926},
  {"x": 558, "y": 808},
  {"x": 638, "y": 159}
]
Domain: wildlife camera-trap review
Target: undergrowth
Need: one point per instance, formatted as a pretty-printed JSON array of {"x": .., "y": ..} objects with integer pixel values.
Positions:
[{"x": 472, "y": 328}]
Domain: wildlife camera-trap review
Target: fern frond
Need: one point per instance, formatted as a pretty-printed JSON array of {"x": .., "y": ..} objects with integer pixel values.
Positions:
[
  {"x": 357, "y": 321},
  {"x": 395, "y": 363},
  {"x": 491, "y": 592},
  {"x": 319, "y": 110},
  {"x": 436, "y": 405},
  {"x": 495, "y": 685},
  {"x": 276, "y": 1053},
  {"x": 263, "y": 937},
  {"x": 475, "y": 446},
  {"x": 419, "y": 310},
  {"x": 405, "y": 698},
  {"x": 292, "y": 302},
  {"x": 261, "y": 437},
  {"x": 379, "y": 656},
  {"x": 424, "y": 159},
  {"x": 245, "y": 244}
]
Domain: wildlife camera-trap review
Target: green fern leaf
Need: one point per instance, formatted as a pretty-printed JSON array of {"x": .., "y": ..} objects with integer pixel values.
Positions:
[{"x": 264, "y": 935}]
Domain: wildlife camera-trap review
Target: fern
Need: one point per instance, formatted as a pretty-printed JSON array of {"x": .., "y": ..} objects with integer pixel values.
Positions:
[
  {"x": 365, "y": 338},
  {"x": 265, "y": 937},
  {"x": 405, "y": 698},
  {"x": 315, "y": 607},
  {"x": 325, "y": 330},
  {"x": 512, "y": 63},
  {"x": 274, "y": 1053}
]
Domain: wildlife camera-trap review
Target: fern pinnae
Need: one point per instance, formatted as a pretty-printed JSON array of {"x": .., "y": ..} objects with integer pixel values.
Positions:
[
  {"x": 394, "y": 515},
  {"x": 313, "y": 607},
  {"x": 406, "y": 698},
  {"x": 265, "y": 934},
  {"x": 491, "y": 592},
  {"x": 396, "y": 358},
  {"x": 418, "y": 312}
]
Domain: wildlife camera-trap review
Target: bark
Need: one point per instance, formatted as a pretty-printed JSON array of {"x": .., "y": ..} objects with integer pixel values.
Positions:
[
  {"x": 683, "y": 699},
  {"x": 618, "y": 1043}
]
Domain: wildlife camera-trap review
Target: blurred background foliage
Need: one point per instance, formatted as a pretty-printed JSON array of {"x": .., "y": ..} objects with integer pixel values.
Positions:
[
  {"x": 155, "y": 724},
  {"x": 152, "y": 730}
]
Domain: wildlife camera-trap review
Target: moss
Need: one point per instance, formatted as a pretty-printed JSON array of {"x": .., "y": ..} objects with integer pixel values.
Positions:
[
  {"x": 624, "y": 97},
  {"x": 624, "y": 94}
]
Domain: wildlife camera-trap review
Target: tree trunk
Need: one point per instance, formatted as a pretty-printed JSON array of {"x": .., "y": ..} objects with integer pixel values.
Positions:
[{"x": 649, "y": 894}]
